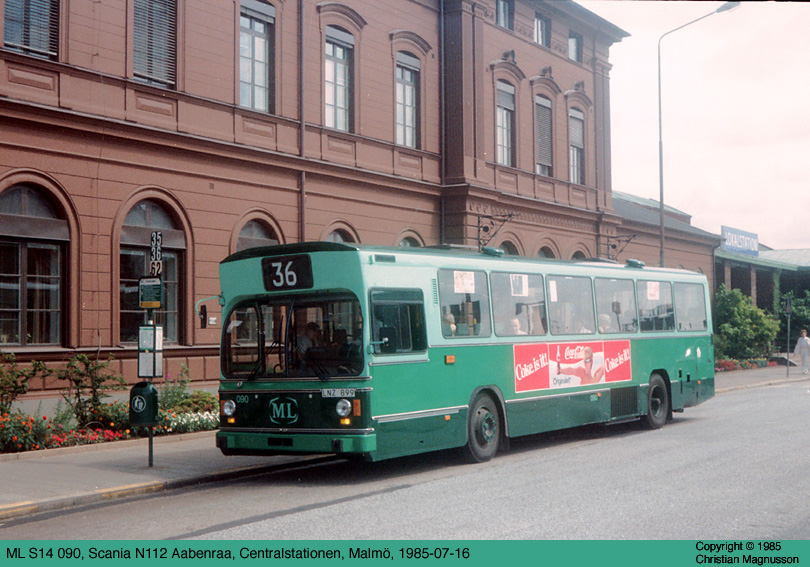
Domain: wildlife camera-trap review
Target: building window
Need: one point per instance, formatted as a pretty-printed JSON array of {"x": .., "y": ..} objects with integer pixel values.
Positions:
[
  {"x": 254, "y": 234},
  {"x": 340, "y": 236},
  {"x": 155, "y": 42},
  {"x": 542, "y": 30},
  {"x": 576, "y": 154},
  {"x": 509, "y": 248},
  {"x": 31, "y": 269},
  {"x": 407, "y": 100},
  {"x": 256, "y": 56},
  {"x": 32, "y": 26},
  {"x": 575, "y": 47},
  {"x": 338, "y": 79},
  {"x": 409, "y": 242},
  {"x": 546, "y": 252},
  {"x": 505, "y": 16},
  {"x": 505, "y": 124},
  {"x": 144, "y": 218},
  {"x": 542, "y": 125}
]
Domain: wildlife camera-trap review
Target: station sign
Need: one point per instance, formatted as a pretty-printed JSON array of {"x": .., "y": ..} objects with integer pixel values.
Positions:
[{"x": 739, "y": 241}]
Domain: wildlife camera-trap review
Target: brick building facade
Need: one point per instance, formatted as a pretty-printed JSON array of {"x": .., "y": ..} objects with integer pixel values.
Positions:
[{"x": 230, "y": 123}]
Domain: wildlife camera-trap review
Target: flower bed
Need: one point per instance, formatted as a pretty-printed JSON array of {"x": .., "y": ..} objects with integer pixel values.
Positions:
[
  {"x": 21, "y": 432},
  {"x": 90, "y": 380},
  {"x": 729, "y": 364}
]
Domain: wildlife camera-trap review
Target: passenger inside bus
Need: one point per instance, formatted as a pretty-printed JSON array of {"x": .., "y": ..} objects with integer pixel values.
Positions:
[{"x": 311, "y": 337}]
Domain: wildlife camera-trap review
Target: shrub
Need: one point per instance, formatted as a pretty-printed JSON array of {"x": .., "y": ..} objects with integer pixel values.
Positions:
[
  {"x": 742, "y": 330},
  {"x": 89, "y": 381},
  {"x": 14, "y": 381},
  {"x": 174, "y": 391},
  {"x": 198, "y": 401}
]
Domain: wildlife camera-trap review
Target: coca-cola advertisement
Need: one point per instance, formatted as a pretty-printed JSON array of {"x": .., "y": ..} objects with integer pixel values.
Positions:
[{"x": 566, "y": 365}]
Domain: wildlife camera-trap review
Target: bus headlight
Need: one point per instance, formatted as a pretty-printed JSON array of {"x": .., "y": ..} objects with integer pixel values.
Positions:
[
  {"x": 228, "y": 408},
  {"x": 343, "y": 408}
]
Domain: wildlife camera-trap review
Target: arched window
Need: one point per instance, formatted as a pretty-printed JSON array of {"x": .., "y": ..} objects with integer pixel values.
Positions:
[
  {"x": 32, "y": 256},
  {"x": 254, "y": 234},
  {"x": 143, "y": 219},
  {"x": 509, "y": 248},
  {"x": 339, "y": 235},
  {"x": 578, "y": 255},
  {"x": 409, "y": 242},
  {"x": 546, "y": 252}
]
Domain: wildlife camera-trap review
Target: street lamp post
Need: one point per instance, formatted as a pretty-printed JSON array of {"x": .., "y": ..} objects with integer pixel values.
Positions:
[{"x": 724, "y": 8}]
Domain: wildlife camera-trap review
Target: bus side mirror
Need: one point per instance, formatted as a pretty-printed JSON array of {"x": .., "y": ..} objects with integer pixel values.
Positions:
[{"x": 203, "y": 316}]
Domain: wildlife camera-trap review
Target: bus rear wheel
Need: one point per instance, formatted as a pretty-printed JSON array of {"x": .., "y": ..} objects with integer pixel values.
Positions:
[
  {"x": 657, "y": 403},
  {"x": 483, "y": 429}
]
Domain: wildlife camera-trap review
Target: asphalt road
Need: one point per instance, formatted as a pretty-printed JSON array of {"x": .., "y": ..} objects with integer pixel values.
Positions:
[{"x": 732, "y": 468}]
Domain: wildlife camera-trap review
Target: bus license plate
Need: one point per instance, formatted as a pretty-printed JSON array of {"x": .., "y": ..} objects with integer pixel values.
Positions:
[{"x": 337, "y": 393}]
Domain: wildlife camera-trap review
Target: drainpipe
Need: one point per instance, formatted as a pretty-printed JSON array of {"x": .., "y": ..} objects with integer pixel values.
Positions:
[
  {"x": 443, "y": 126},
  {"x": 302, "y": 182}
]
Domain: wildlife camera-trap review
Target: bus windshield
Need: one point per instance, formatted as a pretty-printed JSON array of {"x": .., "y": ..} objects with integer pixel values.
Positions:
[{"x": 317, "y": 335}]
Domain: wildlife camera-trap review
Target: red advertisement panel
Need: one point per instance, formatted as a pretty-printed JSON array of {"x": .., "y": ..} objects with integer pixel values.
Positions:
[
  {"x": 531, "y": 367},
  {"x": 617, "y": 361},
  {"x": 567, "y": 365}
]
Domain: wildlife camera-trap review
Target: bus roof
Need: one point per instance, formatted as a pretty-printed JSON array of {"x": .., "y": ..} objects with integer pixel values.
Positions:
[{"x": 443, "y": 251}]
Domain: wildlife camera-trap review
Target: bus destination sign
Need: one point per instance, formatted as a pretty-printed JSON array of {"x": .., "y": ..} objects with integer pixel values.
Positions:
[{"x": 287, "y": 272}]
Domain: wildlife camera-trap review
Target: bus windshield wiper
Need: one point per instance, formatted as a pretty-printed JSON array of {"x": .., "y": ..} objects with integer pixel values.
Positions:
[
  {"x": 259, "y": 367},
  {"x": 319, "y": 369}
]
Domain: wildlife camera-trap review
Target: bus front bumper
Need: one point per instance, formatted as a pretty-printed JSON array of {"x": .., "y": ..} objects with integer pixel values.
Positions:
[{"x": 262, "y": 443}]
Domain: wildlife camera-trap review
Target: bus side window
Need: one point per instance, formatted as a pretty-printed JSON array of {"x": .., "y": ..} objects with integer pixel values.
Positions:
[
  {"x": 398, "y": 321},
  {"x": 655, "y": 306},
  {"x": 615, "y": 306},
  {"x": 464, "y": 302},
  {"x": 690, "y": 307},
  {"x": 519, "y": 304},
  {"x": 570, "y": 305}
]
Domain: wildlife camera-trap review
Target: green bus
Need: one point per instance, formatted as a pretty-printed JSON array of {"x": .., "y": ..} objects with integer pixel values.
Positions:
[{"x": 383, "y": 352}]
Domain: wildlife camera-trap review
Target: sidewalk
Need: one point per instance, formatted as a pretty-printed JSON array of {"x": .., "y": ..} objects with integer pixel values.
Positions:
[
  {"x": 726, "y": 381},
  {"x": 40, "y": 481}
]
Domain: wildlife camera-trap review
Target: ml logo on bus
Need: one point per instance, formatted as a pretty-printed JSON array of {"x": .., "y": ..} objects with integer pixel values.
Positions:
[{"x": 283, "y": 411}]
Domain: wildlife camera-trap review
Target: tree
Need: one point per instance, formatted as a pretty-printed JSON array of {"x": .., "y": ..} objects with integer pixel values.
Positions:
[
  {"x": 799, "y": 318},
  {"x": 742, "y": 330}
]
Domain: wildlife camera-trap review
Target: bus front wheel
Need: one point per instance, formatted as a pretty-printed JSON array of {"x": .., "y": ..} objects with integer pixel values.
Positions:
[
  {"x": 657, "y": 403},
  {"x": 483, "y": 429}
]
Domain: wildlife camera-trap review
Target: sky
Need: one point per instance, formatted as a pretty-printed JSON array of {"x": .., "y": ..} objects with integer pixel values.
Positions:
[{"x": 735, "y": 107}]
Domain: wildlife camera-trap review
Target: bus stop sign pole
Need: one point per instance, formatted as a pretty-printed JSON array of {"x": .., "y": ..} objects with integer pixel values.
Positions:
[
  {"x": 788, "y": 310},
  {"x": 150, "y": 336}
]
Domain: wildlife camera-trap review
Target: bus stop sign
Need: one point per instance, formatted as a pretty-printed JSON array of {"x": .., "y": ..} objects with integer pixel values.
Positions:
[{"x": 150, "y": 293}]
